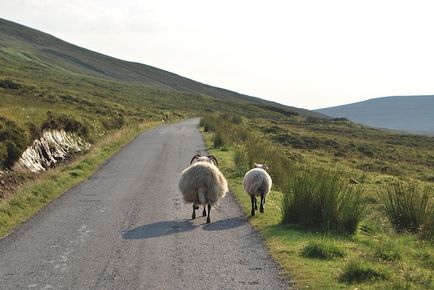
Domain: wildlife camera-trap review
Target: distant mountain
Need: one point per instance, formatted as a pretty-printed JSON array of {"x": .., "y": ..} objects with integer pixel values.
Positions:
[
  {"x": 413, "y": 114},
  {"x": 60, "y": 55}
]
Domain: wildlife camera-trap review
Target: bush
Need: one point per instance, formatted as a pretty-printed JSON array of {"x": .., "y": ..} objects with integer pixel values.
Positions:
[
  {"x": 218, "y": 140},
  {"x": 116, "y": 122},
  {"x": 323, "y": 199},
  {"x": 65, "y": 122},
  {"x": 34, "y": 131},
  {"x": 13, "y": 142},
  {"x": 324, "y": 250},
  {"x": 241, "y": 160},
  {"x": 408, "y": 207},
  {"x": 13, "y": 153},
  {"x": 208, "y": 124},
  {"x": 358, "y": 272}
]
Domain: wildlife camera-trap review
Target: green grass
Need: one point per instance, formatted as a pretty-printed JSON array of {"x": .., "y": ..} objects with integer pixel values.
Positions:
[
  {"x": 408, "y": 207},
  {"x": 322, "y": 198},
  {"x": 45, "y": 187},
  {"x": 374, "y": 257},
  {"x": 359, "y": 272},
  {"x": 322, "y": 249}
]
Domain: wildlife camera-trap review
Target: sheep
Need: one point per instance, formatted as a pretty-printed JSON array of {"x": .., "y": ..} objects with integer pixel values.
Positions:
[
  {"x": 257, "y": 182},
  {"x": 203, "y": 184}
]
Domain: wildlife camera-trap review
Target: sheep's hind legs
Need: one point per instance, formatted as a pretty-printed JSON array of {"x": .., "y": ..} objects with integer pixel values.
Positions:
[
  {"x": 193, "y": 216},
  {"x": 208, "y": 219},
  {"x": 261, "y": 208},
  {"x": 204, "y": 211},
  {"x": 253, "y": 199}
]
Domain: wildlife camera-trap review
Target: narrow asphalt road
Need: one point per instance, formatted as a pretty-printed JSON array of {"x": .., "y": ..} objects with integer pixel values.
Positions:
[{"x": 128, "y": 228}]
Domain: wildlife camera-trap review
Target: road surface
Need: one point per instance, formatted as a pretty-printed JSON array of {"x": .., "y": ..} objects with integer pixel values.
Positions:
[{"x": 127, "y": 227}]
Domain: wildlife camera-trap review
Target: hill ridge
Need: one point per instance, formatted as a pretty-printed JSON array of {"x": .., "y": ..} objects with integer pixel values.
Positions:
[
  {"x": 59, "y": 53},
  {"x": 409, "y": 113}
]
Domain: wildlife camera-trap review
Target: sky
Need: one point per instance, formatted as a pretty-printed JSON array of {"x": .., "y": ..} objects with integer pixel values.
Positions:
[{"x": 308, "y": 54}]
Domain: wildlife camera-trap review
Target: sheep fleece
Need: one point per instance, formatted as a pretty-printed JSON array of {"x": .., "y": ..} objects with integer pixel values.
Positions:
[
  {"x": 256, "y": 181},
  {"x": 202, "y": 183}
]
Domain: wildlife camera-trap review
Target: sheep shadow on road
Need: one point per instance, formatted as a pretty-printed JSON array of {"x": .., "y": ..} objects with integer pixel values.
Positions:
[
  {"x": 226, "y": 224},
  {"x": 165, "y": 228},
  {"x": 158, "y": 229}
]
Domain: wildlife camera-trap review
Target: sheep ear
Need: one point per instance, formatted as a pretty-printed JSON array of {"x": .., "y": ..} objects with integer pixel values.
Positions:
[
  {"x": 255, "y": 164},
  {"x": 214, "y": 159},
  {"x": 194, "y": 157}
]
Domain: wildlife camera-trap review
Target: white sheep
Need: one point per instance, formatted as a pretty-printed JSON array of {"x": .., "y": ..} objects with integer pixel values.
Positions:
[
  {"x": 203, "y": 184},
  {"x": 257, "y": 182}
]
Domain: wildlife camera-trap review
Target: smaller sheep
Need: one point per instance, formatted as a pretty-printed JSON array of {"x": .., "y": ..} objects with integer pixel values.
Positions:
[
  {"x": 257, "y": 182},
  {"x": 203, "y": 184}
]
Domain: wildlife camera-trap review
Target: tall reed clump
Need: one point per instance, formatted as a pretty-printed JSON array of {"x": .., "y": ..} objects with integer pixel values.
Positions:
[
  {"x": 259, "y": 150},
  {"x": 226, "y": 129},
  {"x": 408, "y": 207},
  {"x": 323, "y": 199}
]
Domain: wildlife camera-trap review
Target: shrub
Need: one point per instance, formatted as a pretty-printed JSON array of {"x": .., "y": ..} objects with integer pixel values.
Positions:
[
  {"x": 13, "y": 153},
  {"x": 34, "y": 131},
  {"x": 323, "y": 199},
  {"x": 116, "y": 122},
  {"x": 241, "y": 160},
  {"x": 324, "y": 250},
  {"x": 408, "y": 208},
  {"x": 218, "y": 140},
  {"x": 208, "y": 124},
  {"x": 358, "y": 272},
  {"x": 9, "y": 84},
  {"x": 65, "y": 122},
  {"x": 13, "y": 142}
]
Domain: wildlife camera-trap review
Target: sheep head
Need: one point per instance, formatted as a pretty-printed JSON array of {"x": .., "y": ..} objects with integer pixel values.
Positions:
[
  {"x": 262, "y": 166},
  {"x": 210, "y": 159}
]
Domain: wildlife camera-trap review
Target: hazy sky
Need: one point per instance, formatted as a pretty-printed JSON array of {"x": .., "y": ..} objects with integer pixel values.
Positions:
[{"x": 309, "y": 54}]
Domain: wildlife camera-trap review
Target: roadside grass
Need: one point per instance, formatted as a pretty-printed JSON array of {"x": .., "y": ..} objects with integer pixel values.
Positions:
[
  {"x": 47, "y": 186},
  {"x": 374, "y": 257},
  {"x": 323, "y": 198},
  {"x": 408, "y": 207},
  {"x": 323, "y": 250}
]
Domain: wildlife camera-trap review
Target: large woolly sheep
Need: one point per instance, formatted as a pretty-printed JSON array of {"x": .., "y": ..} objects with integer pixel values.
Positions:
[
  {"x": 203, "y": 184},
  {"x": 257, "y": 182}
]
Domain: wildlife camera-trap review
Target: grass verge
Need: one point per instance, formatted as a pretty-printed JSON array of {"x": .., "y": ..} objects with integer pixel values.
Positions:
[
  {"x": 35, "y": 194},
  {"x": 369, "y": 259}
]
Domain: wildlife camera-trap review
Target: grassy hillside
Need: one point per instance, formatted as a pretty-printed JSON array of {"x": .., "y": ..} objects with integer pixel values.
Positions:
[
  {"x": 402, "y": 113},
  {"x": 351, "y": 208},
  {"x": 46, "y": 51},
  {"x": 46, "y": 80}
]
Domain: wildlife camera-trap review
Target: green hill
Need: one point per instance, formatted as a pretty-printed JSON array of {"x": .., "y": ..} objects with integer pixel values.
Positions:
[
  {"x": 47, "y": 51},
  {"x": 46, "y": 82}
]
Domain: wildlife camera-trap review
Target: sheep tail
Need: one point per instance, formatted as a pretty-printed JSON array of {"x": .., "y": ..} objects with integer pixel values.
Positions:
[{"x": 201, "y": 197}]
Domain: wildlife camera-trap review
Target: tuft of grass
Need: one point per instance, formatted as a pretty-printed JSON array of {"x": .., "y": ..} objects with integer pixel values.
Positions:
[
  {"x": 323, "y": 250},
  {"x": 323, "y": 198},
  {"x": 426, "y": 259},
  {"x": 359, "y": 272},
  {"x": 218, "y": 140},
  {"x": 387, "y": 251},
  {"x": 408, "y": 207}
]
